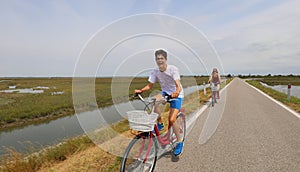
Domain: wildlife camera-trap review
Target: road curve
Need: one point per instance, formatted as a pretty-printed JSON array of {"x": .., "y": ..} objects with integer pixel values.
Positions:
[{"x": 254, "y": 134}]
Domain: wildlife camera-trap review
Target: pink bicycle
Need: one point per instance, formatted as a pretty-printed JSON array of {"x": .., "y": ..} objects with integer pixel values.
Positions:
[{"x": 149, "y": 144}]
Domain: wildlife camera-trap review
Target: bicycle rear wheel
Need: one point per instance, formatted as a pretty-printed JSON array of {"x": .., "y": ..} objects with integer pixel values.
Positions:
[
  {"x": 213, "y": 98},
  {"x": 180, "y": 121},
  {"x": 140, "y": 155}
]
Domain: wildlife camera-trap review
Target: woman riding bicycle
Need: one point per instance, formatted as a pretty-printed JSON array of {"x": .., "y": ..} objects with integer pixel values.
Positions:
[
  {"x": 169, "y": 80},
  {"x": 216, "y": 80}
]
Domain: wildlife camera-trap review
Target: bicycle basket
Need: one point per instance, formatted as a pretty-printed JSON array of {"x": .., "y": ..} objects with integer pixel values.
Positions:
[
  {"x": 141, "y": 121},
  {"x": 214, "y": 88}
]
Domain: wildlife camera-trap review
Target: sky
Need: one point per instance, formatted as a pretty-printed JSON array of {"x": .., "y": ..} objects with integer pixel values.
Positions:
[{"x": 106, "y": 38}]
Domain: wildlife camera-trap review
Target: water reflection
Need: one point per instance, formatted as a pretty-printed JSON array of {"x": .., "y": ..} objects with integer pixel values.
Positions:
[
  {"x": 25, "y": 90},
  {"x": 295, "y": 90}
]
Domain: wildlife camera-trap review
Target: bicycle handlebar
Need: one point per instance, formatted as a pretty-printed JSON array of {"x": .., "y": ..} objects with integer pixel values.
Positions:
[{"x": 167, "y": 98}]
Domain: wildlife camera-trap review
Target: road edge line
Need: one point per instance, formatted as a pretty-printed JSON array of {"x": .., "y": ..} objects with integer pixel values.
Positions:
[
  {"x": 274, "y": 100},
  {"x": 205, "y": 106}
]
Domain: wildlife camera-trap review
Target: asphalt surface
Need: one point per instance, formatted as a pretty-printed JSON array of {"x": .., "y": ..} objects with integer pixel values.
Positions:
[{"x": 245, "y": 131}]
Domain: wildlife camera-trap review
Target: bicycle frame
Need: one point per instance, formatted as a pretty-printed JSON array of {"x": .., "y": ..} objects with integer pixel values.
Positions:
[
  {"x": 163, "y": 140},
  {"x": 143, "y": 144},
  {"x": 149, "y": 135}
]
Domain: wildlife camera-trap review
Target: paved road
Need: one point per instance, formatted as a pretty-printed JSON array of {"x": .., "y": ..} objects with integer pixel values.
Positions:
[{"x": 254, "y": 134}]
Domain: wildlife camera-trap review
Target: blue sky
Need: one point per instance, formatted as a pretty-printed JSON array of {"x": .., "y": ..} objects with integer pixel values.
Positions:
[{"x": 46, "y": 38}]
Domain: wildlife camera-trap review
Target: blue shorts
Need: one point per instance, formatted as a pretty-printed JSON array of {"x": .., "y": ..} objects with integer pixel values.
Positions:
[{"x": 176, "y": 103}]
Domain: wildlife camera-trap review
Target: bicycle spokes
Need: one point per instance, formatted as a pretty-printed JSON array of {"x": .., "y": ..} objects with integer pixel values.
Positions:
[{"x": 142, "y": 155}]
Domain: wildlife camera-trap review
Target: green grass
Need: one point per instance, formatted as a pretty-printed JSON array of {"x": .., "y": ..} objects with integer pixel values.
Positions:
[
  {"x": 277, "y": 79},
  {"x": 16, "y": 108},
  {"x": 293, "y": 102}
]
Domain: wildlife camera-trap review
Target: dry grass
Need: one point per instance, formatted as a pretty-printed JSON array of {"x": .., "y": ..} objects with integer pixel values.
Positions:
[
  {"x": 91, "y": 159},
  {"x": 16, "y": 162}
]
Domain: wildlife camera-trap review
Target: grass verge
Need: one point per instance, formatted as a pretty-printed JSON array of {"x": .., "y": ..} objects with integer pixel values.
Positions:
[{"x": 293, "y": 102}]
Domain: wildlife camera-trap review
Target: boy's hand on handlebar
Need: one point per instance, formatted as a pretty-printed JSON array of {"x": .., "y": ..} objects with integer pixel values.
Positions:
[
  {"x": 138, "y": 91},
  {"x": 175, "y": 95}
]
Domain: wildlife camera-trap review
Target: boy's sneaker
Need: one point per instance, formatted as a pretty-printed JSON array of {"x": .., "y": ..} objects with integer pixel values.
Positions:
[
  {"x": 160, "y": 126},
  {"x": 178, "y": 148}
]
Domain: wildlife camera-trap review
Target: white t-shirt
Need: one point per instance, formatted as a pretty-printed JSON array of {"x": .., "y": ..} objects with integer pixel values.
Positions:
[{"x": 166, "y": 79}]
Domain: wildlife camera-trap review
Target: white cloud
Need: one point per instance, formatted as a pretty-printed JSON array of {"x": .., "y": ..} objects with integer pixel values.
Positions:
[
  {"x": 163, "y": 5},
  {"x": 249, "y": 36},
  {"x": 266, "y": 39}
]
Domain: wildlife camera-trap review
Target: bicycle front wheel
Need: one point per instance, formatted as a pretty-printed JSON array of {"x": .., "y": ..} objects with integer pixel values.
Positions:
[{"x": 140, "y": 154}]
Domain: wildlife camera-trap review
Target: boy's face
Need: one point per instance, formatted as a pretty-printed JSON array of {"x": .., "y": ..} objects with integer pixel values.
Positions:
[{"x": 160, "y": 60}]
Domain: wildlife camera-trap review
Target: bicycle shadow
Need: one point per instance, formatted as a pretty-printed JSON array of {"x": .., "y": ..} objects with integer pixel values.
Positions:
[{"x": 169, "y": 155}]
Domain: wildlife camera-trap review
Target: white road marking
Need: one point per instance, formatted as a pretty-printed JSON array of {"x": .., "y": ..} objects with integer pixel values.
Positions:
[
  {"x": 279, "y": 103},
  {"x": 192, "y": 120}
]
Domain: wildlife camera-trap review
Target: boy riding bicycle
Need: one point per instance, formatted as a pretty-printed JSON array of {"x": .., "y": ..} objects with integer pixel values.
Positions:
[{"x": 169, "y": 80}]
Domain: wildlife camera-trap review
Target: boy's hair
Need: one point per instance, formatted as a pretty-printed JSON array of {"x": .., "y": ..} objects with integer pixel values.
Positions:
[{"x": 161, "y": 52}]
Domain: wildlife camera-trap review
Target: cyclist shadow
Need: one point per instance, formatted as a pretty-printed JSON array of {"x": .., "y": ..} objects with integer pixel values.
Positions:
[{"x": 170, "y": 155}]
